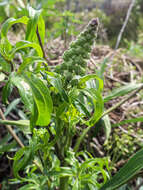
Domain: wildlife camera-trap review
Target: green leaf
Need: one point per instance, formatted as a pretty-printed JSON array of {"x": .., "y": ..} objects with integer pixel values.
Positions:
[
  {"x": 56, "y": 82},
  {"x": 63, "y": 172},
  {"x": 35, "y": 22},
  {"x": 22, "y": 123},
  {"x": 9, "y": 22},
  {"x": 107, "y": 126},
  {"x": 127, "y": 172},
  {"x": 42, "y": 99},
  {"x": 6, "y": 91},
  {"x": 29, "y": 61},
  {"x": 96, "y": 98},
  {"x": 5, "y": 66},
  {"x": 41, "y": 28},
  {"x": 124, "y": 90},
  {"x": 86, "y": 78},
  {"x": 32, "y": 24},
  {"x": 21, "y": 159},
  {"x": 100, "y": 72},
  {"x": 26, "y": 44},
  {"x": 29, "y": 187},
  {"x": 134, "y": 120},
  {"x": 12, "y": 106},
  {"x": 79, "y": 104},
  {"x": 7, "y": 147},
  {"x": 24, "y": 90},
  {"x": 5, "y": 48}
]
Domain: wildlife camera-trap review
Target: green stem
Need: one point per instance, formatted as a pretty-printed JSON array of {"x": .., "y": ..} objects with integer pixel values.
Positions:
[
  {"x": 63, "y": 183},
  {"x": 79, "y": 140}
]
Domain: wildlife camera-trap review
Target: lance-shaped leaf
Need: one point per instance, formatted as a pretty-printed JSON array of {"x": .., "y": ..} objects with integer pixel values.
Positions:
[
  {"x": 42, "y": 101},
  {"x": 21, "y": 159},
  {"x": 56, "y": 82},
  {"x": 25, "y": 44},
  {"x": 27, "y": 61},
  {"x": 24, "y": 90},
  {"x": 122, "y": 91},
  {"x": 35, "y": 20},
  {"x": 128, "y": 171},
  {"x": 10, "y": 22}
]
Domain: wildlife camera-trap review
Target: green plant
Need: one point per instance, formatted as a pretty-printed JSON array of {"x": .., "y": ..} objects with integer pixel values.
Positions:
[
  {"x": 50, "y": 160},
  {"x": 55, "y": 100}
]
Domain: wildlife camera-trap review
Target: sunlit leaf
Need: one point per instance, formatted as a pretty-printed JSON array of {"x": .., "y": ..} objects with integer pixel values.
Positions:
[
  {"x": 43, "y": 102},
  {"x": 9, "y": 22},
  {"x": 124, "y": 90},
  {"x": 128, "y": 171}
]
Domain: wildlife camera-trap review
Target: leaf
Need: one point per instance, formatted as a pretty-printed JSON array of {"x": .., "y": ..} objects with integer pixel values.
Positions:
[
  {"x": 124, "y": 90},
  {"x": 22, "y": 123},
  {"x": 100, "y": 72},
  {"x": 12, "y": 106},
  {"x": 127, "y": 172},
  {"x": 86, "y": 78},
  {"x": 29, "y": 187},
  {"x": 107, "y": 126},
  {"x": 25, "y": 44},
  {"x": 29, "y": 61},
  {"x": 5, "y": 48},
  {"x": 21, "y": 159},
  {"x": 24, "y": 90},
  {"x": 6, "y": 91},
  {"x": 7, "y": 147},
  {"x": 79, "y": 104},
  {"x": 41, "y": 28},
  {"x": 63, "y": 172},
  {"x": 32, "y": 24},
  {"x": 4, "y": 65},
  {"x": 35, "y": 21},
  {"x": 42, "y": 99},
  {"x": 56, "y": 82},
  {"x": 97, "y": 100},
  {"x": 134, "y": 120},
  {"x": 9, "y": 22}
]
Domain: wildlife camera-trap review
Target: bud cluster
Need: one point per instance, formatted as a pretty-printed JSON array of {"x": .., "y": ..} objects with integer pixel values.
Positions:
[{"x": 74, "y": 59}]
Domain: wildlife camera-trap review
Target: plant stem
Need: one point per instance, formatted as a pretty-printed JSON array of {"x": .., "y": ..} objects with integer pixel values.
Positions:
[
  {"x": 63, "y": 183},
  {"x": 79, "y": 140},
  {"x": 85, "y": 131}
]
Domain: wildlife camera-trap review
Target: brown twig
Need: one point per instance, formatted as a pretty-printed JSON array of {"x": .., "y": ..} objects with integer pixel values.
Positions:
[
  {"x": 9, "y": 128},
  {"x": 40, "y": 42},
  {"x": 125, "y": 23},
  {"x": 4, "y": 72}
]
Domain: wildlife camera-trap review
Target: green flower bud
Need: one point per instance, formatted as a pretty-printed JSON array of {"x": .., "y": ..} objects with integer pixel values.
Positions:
[{"x": 74, "y": 58}]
